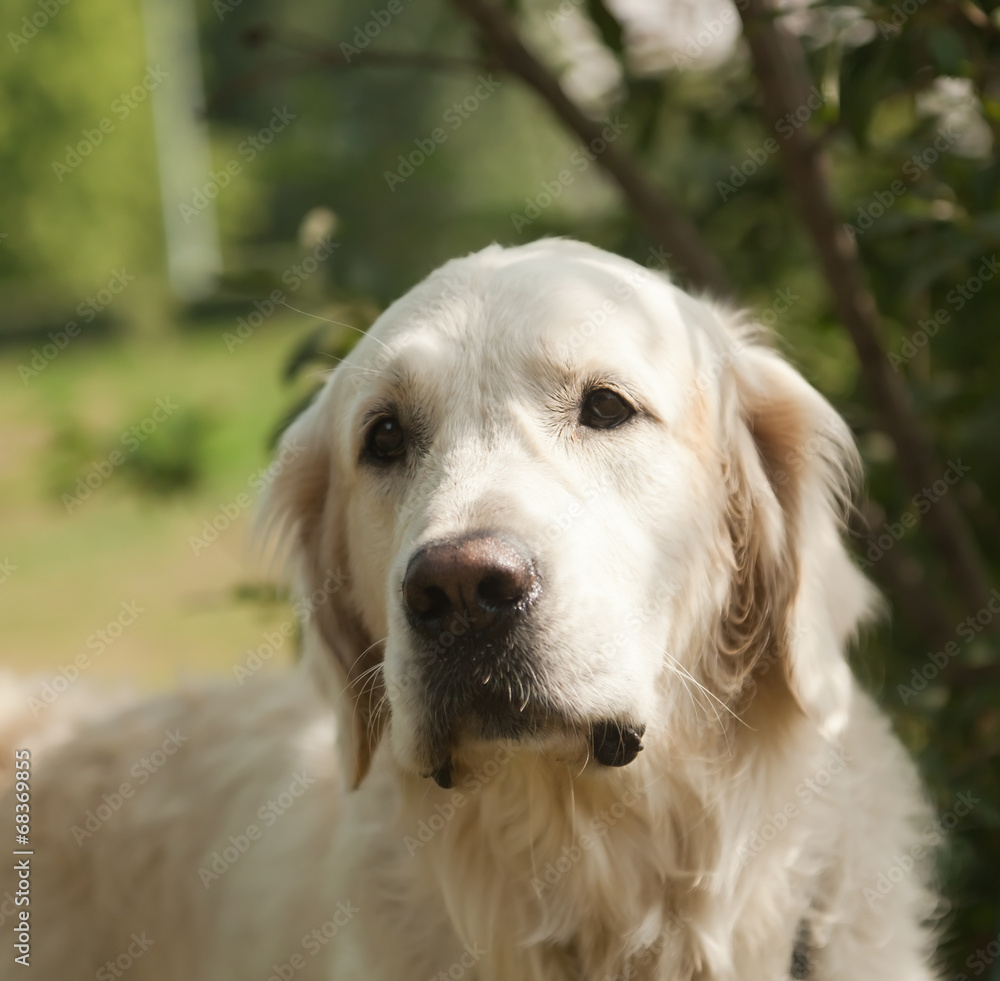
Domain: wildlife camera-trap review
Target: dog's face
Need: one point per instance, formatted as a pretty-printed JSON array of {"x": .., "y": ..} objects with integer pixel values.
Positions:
[
  {"x": 563, "y": 494},
  {"x": 525, "y": 484}
]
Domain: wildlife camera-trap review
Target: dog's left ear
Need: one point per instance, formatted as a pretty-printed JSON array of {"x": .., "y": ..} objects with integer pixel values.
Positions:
[
  {"x": 796, "y": 598},
  {"x": 304, "y": 508}
]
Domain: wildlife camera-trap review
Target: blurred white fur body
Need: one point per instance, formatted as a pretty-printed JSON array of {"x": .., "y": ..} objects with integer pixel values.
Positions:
[{"x": 770, "y": 790}]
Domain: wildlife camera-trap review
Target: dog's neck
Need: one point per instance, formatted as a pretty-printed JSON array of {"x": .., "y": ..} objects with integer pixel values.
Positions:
[
  {"x": 555, "y": 849},
  {"x": 598, "y": 873}
]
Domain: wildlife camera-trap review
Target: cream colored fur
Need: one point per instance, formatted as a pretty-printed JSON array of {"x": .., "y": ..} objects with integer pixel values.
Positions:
[{"x": 694, "y": 581}]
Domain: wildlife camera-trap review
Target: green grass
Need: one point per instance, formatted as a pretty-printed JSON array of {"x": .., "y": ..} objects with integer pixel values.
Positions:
[{"x": 126, "y": 542}]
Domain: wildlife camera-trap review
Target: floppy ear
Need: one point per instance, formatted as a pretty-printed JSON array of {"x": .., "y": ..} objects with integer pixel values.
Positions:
[
  {"x": 796, "y": 598},
  {"x": 303, "y": 506}
]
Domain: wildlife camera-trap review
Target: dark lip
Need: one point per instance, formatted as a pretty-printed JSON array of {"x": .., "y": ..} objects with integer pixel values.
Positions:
[
  {"x": 616, "y": 743},
  {"x": 442, "y": 775}
]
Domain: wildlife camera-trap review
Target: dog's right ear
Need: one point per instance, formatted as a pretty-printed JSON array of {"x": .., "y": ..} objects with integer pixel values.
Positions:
[{"x": 303, "y": 510}]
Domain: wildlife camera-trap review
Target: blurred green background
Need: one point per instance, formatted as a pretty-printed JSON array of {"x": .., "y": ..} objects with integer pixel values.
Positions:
[{"x": 174, "y": 282}]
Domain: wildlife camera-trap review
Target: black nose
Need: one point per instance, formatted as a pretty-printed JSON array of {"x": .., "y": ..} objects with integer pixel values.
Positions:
[{"x": 473, "y": 583}]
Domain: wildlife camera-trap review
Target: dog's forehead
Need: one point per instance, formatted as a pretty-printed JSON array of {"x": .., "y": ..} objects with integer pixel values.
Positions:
[{"x": 535, "y": 318}]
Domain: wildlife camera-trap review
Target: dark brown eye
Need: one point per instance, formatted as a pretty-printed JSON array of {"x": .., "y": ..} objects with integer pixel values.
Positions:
[
  {"x": 604, "y": 409},
  {"x": 386, "y": 439}
]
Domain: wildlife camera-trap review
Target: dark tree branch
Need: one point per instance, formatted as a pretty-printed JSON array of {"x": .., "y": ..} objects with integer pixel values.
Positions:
[
  {"x": 664, "y": 221},
  {"x": 783, "y": 78}
]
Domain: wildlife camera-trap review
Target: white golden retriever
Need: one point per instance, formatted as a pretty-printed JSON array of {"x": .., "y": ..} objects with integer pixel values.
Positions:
[{"x": 569, "y": 550}]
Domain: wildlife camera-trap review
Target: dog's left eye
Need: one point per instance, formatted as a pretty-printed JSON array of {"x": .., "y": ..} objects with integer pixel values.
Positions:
[{"x": 604, "y": 409}]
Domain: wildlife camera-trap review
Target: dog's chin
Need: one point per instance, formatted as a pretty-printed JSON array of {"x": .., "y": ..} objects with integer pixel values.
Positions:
[
  {"x": 480, "y": 740},
  {"x": 461, "y": 741}
]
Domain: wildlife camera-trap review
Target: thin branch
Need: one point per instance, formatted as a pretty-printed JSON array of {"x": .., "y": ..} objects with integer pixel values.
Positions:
[
  {"x": 783, "y": 78},
  {"x": 664, "y": 221}
]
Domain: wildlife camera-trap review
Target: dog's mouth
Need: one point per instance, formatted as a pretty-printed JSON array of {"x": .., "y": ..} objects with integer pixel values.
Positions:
[
  {"x": 610, "y": 742},
  {"x": 481, "y": 695},
  {"x": 489, "y": 718}
]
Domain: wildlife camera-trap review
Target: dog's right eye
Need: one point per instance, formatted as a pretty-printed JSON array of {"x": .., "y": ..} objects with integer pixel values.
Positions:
[
  {"x": 604, "y": 409},
  {"x": 386, "y": 439}
]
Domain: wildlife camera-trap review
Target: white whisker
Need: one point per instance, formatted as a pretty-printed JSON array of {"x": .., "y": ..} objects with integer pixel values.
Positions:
[{"x": 336, "y": 323}]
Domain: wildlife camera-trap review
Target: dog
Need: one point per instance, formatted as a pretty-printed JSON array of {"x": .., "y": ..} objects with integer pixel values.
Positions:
[{"x": 574, "y": 701}]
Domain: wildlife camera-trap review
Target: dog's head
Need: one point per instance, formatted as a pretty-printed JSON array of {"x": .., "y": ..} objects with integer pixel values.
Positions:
[{"x": 554, "y": 499}]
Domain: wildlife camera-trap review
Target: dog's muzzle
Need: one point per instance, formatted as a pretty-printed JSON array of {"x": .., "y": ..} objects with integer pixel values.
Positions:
[{"x": 468, "y": 602}]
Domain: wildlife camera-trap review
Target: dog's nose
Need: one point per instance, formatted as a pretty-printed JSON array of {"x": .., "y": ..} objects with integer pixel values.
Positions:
[{"x": 479, "y": 579}]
